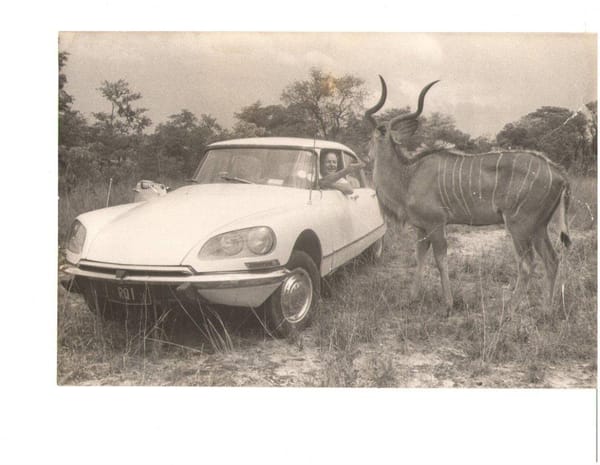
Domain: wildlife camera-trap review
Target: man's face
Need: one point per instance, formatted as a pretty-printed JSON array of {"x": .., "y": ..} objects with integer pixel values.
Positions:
[{"x": 330, "y": 163}]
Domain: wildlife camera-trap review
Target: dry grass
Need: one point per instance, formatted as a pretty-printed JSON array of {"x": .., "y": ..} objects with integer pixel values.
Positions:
[
  {"x": 366, "y": 305},
  {"x": 368, "y": 329}
]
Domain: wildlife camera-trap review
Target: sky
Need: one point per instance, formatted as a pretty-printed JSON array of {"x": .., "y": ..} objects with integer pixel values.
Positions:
[{"x": 487, "y": 79}]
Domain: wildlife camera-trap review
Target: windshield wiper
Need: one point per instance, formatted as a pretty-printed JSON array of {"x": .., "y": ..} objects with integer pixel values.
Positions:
[
  {"x": 192, "y": 180},
  {"x": 226, "y": 177}
]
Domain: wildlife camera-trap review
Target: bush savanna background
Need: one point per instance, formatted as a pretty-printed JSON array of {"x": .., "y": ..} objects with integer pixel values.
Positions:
[{"x": 368, "y": 332}]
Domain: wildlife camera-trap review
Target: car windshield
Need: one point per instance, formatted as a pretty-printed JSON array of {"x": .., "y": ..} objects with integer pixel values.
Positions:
[{"x": 258, "y": 165}]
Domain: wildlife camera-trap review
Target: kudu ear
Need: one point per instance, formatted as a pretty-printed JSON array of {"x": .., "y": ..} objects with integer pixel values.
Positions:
[{"x": 404, "y": 130}]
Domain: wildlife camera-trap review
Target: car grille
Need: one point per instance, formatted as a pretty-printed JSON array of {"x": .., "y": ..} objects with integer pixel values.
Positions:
[{"x": 114, "y": 270}]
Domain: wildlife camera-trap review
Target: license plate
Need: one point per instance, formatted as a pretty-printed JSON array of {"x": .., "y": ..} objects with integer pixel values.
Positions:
[{"x": 129, "y": 294}]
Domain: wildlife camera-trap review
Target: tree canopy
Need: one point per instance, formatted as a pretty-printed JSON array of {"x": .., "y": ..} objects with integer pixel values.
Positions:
[
  {"x": 72, "y": 127},
  {"x": 566, "y": 136},
  {"x": 272, "y": 120},
  {"x": 181, "y": 139},
  {"x": 123, "y": 118},
  {"x": 326, "y": 101},
  {"x": 118, "y": 143}
]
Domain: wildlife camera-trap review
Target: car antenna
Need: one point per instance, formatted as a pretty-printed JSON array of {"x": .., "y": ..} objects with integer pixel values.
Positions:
[
  {"x": 108, "y": 193},
  {"x": 316, "y": 168},
  {"x": 316, "y": 181}
]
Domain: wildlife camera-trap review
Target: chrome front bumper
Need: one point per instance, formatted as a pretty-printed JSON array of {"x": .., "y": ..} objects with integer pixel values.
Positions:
[{"x": 235, "y": 288}]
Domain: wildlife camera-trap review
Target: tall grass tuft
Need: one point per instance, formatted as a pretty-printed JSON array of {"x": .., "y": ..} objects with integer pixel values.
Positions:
[{"x": 583, "y": 208}]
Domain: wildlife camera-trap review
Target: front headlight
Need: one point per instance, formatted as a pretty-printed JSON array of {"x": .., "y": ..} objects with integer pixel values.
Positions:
[
  {"x": 241, "y": 243},
  {"x": 76, "y": 237},
  {"x": 260, "y": 240}
]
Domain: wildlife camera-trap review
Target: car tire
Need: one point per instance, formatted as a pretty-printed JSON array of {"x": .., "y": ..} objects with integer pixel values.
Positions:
[
  {"x": 375, "y": 252},
  {"x": 295, "y": 302}
]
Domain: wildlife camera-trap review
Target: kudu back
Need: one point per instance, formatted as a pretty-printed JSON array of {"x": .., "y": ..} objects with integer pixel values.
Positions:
[{"x": 517, "y": 188}]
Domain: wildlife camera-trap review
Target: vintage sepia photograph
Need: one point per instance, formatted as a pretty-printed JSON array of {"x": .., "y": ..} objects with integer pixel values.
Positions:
[
  {"x": 332, "y": 209},
  {"x": 270, "y": 233}
]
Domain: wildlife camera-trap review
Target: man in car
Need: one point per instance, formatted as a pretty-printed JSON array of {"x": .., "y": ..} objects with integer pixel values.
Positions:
[{"x": 332, "y": 178}]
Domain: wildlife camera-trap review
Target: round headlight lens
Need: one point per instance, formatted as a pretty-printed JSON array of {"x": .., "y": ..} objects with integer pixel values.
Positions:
[
  {"x": 231, "y": 243},
  {"x": 260, "y": 240},
  {"x": 76, "y": 237}
]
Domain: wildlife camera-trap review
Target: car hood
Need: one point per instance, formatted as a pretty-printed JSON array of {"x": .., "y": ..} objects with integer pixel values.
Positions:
[{"x": 164, "y": 230}]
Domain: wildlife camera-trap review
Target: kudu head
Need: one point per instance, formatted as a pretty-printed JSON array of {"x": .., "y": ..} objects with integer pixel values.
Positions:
[{"x": 387, "y": 136}]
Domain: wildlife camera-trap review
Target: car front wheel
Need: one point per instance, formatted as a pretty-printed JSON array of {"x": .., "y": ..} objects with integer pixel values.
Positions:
[{"x": 292, "y": 306}]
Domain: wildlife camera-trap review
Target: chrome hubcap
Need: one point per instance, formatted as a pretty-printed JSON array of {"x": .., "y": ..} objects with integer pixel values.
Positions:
[{"x": 296, "y": 295}]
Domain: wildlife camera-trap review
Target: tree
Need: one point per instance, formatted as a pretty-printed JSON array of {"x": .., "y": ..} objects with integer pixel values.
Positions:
[
  {"x": 441, "y": 127},
  {"x": 243, "y": 129},
  {"x": 591, "y": 113},
  {"x": 72, "y": 126},
  {"x": 181, "y": 140},
  {"x": 356, "y": 135},
  {"x": 73, "y": 129},
  {"x": 559, "y": 132},
  {"x": 272, "y": 120},
  {"x": 118, "y": 135},
  {"x": 326, "y": 102},
  {"x": 123, "y": 118},
  {"x": 64, "y": 99},
  {"x": 483, "y": 144},
  {"x": 514, "y": 136}
]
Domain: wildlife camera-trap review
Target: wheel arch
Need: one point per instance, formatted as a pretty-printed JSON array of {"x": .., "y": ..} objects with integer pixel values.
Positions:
[{"x": 309, "y": 242}]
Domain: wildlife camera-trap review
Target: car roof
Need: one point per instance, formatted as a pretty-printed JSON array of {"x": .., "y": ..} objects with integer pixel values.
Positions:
[{"x": 282, "y": 142}]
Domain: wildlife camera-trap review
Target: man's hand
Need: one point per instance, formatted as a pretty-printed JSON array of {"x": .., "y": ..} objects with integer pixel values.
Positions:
[{"x": 356, "y": 166}]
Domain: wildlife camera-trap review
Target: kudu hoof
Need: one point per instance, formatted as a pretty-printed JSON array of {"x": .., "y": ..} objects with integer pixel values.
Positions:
[{"x": 448, "y": 310}]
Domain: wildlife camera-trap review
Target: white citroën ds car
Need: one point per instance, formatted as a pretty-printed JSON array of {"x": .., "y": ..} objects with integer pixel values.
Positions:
[{"x": 254, "y": 228}]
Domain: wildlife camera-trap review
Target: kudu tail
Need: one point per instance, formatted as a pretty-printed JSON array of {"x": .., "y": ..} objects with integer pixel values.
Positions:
[{"x": 564, "y": 208}]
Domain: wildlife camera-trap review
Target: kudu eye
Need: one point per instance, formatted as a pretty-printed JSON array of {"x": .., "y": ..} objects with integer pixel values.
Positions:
[{"x": 381, "y": 129}]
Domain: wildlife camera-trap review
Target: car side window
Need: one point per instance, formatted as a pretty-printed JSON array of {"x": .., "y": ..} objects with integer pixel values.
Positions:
[{"x": 356, "y": 179}]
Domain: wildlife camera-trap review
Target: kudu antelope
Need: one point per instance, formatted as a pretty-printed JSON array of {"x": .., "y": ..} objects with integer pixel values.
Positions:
[{"x": 521, "y": 189}]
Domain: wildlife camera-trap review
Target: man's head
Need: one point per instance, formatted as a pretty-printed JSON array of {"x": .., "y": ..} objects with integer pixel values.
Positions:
[{"x": 330, "y": 163}]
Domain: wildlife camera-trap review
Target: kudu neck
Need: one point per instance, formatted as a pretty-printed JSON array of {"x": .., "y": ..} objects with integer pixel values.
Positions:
[
  {"x": 392, "y": 172},
  {"x": 399, "y": 153}
]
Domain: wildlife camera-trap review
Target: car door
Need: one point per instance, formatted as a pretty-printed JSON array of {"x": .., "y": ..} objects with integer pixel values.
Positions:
[
  {"x": 335, "y": 213},
  {"x": 363, "y": 208},
  {"x": 351, "y": 220}
]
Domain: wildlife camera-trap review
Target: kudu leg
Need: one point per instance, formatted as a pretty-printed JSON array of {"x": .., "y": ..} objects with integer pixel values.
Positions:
[
  {"x": 543, "y": 247},
  {"x": 524, "y": 254},
  {"x": 423, "y": 244},
  {"x": 440, "y": 247}
]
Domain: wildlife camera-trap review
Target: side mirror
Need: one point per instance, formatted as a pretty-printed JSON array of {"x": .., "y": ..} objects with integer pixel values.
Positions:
[{"x": 148, "y": 190}]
